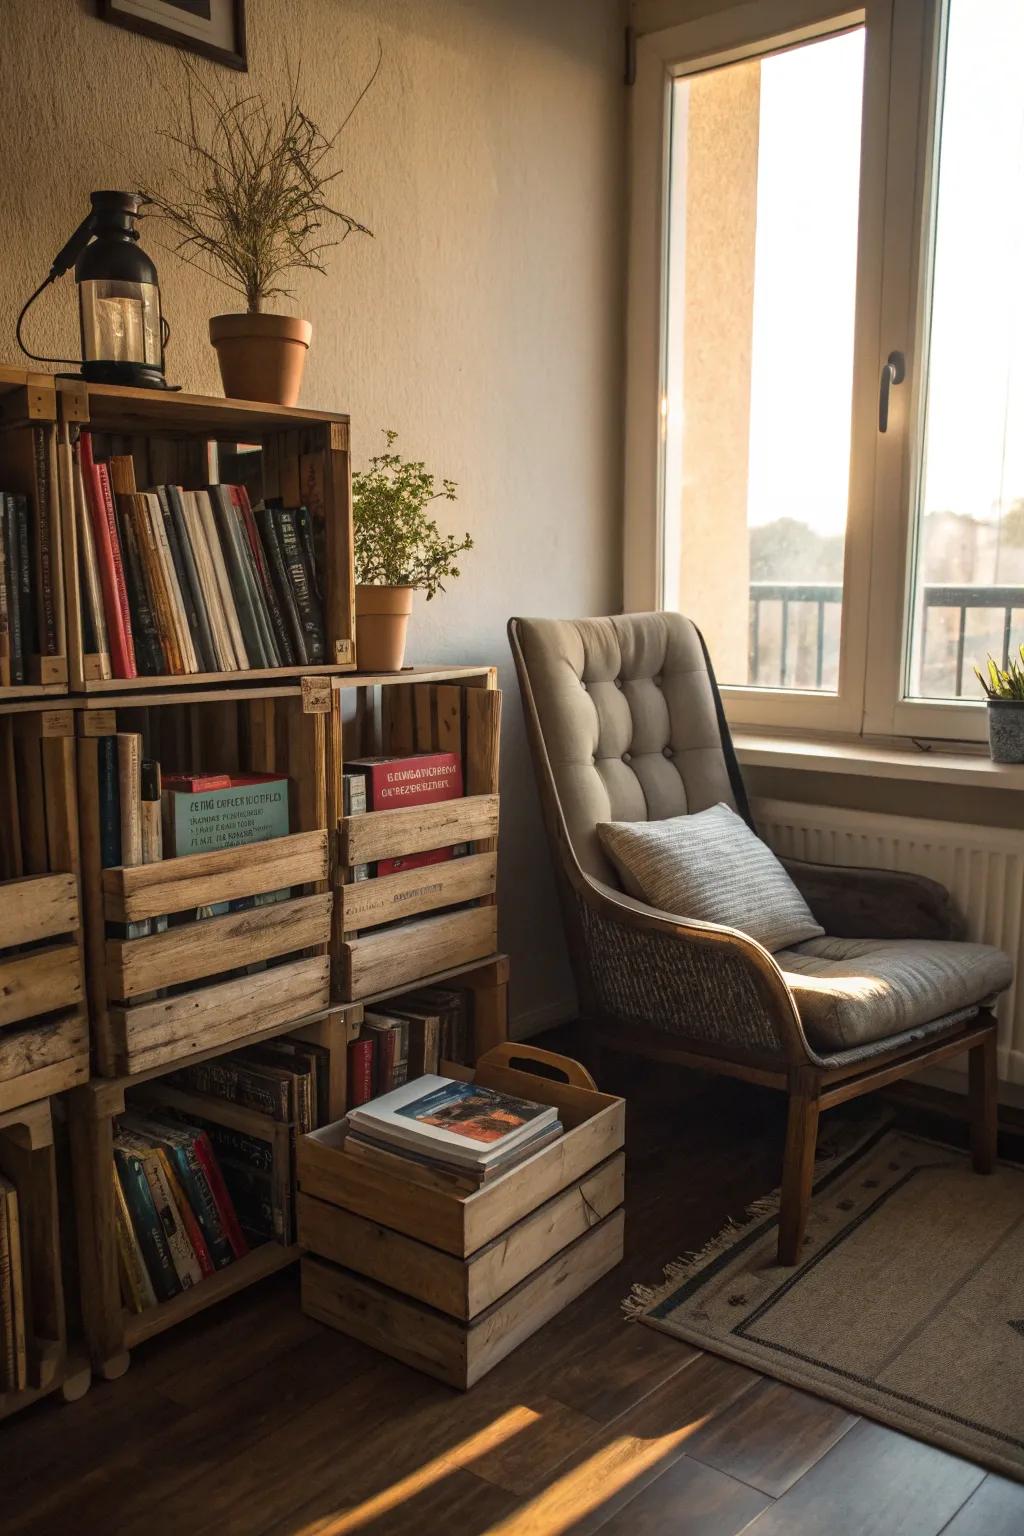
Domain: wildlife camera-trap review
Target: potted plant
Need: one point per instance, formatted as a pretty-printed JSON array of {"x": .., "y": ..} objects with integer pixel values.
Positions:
[
  {"x": 248, "y": 202},
  {"x": 398, "y": 549},
  {"x": 1004, "y": 687}
]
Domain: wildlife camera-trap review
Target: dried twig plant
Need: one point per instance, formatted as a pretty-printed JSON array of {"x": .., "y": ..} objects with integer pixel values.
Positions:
[{"x": 248, "y": 200}]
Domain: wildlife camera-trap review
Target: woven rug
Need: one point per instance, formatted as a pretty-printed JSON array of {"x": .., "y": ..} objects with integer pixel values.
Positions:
[{"x": 907, "y": 1306}]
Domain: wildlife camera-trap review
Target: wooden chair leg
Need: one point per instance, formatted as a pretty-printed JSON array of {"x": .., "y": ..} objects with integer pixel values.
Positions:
[
  {"x": 798, "y": 1165},
  {"x": 983, "y": 1087}
]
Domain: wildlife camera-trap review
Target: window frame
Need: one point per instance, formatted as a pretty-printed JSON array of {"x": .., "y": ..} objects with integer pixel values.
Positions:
[{"x": 903, "y": 51}]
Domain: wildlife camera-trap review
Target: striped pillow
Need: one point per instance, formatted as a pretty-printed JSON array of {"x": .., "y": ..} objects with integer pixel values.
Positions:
[{"x": 711, "y": 866}]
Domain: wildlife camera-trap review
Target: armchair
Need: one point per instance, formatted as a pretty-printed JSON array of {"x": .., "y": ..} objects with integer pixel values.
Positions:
[{"x": 625, "y": 723}]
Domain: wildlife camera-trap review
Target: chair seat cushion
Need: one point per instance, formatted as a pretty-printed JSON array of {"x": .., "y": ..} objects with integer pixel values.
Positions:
[
  {"x": 710, "y": 866},
  {"x": 851, "y": 992}
]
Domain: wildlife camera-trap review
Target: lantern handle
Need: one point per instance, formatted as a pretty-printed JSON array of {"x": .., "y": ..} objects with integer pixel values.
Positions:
[{"x": 68, "y": 253}]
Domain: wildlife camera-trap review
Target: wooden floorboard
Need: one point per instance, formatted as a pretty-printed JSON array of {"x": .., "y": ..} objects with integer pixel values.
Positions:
[{"x": 251, "y": 1420}]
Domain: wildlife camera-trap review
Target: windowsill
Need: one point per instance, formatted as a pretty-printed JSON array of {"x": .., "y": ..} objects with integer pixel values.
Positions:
[{"x": 861, "y": 759}]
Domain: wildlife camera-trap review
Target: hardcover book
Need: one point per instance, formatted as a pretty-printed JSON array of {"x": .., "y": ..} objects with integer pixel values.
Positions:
[
  {"x": 423, "y": 779},
  {"x": 249, "y": 809}
]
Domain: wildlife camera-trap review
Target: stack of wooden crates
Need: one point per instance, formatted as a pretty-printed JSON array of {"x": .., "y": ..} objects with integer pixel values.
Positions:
[{"x": 159, "y": 1000}]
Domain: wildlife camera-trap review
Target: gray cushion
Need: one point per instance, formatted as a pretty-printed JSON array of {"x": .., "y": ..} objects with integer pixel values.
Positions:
[
  {"x": 711, "y": 866},
  {"x": 628, "y": 718},
  {"x": 853, "y": 991}
]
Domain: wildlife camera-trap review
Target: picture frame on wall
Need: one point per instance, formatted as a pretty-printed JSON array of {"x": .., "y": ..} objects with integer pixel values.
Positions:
[{"x": 213, "y": 28}]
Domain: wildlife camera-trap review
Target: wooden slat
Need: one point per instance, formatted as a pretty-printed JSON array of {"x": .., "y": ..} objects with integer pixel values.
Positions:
[
  {"x": 454, "y": 1352},
  {"x": 212, "y": 945},
  {"x": 399, "y": 956},
  {"x": 265, "y": 1260},
  {"x": 461, "y": 1287},
  {"x": 43, "y": 1059},
  {"x": 39, "y": 907},
  {"x": 417, "y": 828},
  {"x": 168, "y": 1029},
  {"x": 449, "y": 719},
  {"x": 368, "y": 903},
  {"x": 423, "y": 711},
  {"x": 39, "y": 981},
  {"x": 483, "y": 737},
  {"x": 200, "y": 879}
]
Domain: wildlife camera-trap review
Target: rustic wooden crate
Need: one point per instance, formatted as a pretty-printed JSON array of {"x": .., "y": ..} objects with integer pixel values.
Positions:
[
  {"x": 135, "y": 1029},
  {"x": 304, "y": 458},
  {"x": 453, "y": 904},
  {"x": 44, "y": 1036},
  {"x": 451, "y": 1282}
]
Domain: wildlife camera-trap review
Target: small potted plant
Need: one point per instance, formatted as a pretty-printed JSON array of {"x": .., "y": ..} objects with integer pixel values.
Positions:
[
  {"x": 248, "y": 202},
  {"x": 399, "y": 549},
  {"x": 1004, "y": 687}
]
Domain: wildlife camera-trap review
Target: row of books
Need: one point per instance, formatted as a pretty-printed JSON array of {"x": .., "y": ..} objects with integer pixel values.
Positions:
[
  {"x": 178, "y": 581},
  {"x": 13, "y": 1354},
  {"x": 440, "y": 1132},
  {"x": 408, "y": 1039},
  {"x": 204, "y": 1169},
  {"x": 28, "y": 611}
]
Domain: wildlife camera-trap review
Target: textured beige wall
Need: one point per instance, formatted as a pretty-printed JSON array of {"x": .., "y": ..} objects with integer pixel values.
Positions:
[{"x": 483, "y": 322}]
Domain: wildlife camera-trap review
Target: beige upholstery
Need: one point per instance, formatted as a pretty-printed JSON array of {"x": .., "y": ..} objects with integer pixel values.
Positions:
[
  {"x": 851, "y": 992},
  {"x": 628, "y": 716}
]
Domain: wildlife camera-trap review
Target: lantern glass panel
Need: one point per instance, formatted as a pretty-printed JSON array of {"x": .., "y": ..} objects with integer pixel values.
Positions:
[{"x": 120, "y": 321}]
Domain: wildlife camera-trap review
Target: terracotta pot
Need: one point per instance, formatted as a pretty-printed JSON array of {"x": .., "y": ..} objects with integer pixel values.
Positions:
[
  {"x": 261, "y": 357},
  {"x": 382, "y": 621}
]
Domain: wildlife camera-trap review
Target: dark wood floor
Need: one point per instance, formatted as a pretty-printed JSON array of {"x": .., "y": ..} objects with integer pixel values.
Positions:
[{"x": 254, "y": 1421}]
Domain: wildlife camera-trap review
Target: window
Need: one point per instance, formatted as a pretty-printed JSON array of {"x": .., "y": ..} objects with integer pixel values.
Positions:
[{"x": 827, "y": 226}]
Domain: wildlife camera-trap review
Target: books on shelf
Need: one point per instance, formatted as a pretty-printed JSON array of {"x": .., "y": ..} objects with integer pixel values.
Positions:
[
  {"x": 184, "y": 581},
  {"x": 28, "y": 599},
  {"x": 454, "y": 1127},
  {"x": 391, "y": 783},
  {"x": 409, "y": 1038}
]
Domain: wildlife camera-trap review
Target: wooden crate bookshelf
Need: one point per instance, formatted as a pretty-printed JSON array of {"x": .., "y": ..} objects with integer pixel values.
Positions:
[
  {"x": 27, "y": 1159},
  {"x": 28, "y": 465},
  {"x": 198, "y": 1006},
  {"x": 188, "y": 440},
  {"x": 44, "y": 1036},
  {"x": 452, "y": 905}
]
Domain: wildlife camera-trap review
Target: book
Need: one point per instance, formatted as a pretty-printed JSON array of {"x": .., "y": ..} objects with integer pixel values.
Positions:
[
  {"x": 183, "y": 555},
  {"x": 183, "y": 1147},
  {"x": 432, "y": 1172},
  {"x": 279, "y": 628},
  {"x": 129, "y": 788},
  {"x": 424, "y": 1038},
  {"x": 204, "y": 508},
  {"x": 229, "y": 531},
  {"x": 94, "y": 621},
  {"x": 360, "y": 1071},
  {"x": 159, "y": 520},
  {"x": 239, "y": 1081},
  {"x": 100, "y": 503},
  {"x": 461, "y": 1123},
  {"x": 16, "y": 654},
  {"x": 261, "y": 610},
  {"x": 425, "y": 778},
  {"x": 43, "y": 546},
  {"x": 452, "y": 1008},
  {"x": 108, "y": 773},
  {"x": 250, "y": 809},
  {"x": 146, "y": 1220},
  {"x": 136, "y": 1286},
  {"x": 5, "y": 622},
  {"x": 220, "y": 633},
  {"x": 8, "y": 1357},
  {"x": 391, "y": 1055},
  {"x": 310, "y": 613},
  {"x": 149, "y": 651},
  {"x": 353, "y": 795},
  {"x": 278, "y": 572},
  {"x": 133, "y": 1136},
  {"x": 23, "y": 575}
]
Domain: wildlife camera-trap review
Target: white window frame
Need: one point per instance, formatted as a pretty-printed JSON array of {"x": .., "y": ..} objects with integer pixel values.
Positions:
[{"x": 897, "y": 152}]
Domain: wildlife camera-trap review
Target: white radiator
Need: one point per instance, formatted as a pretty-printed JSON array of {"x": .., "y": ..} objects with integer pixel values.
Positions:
[{"x": 982, "y": 867}]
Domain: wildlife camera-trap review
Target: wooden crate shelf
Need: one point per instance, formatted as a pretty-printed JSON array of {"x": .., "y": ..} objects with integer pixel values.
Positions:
[
  {"x": 451, "y": 1282},
  {"x": 28, "y": 466},
  {"x": 400, "y": 929},
  {"x": 27, "y": 1159},
  {"x": 304, "y": 458}
]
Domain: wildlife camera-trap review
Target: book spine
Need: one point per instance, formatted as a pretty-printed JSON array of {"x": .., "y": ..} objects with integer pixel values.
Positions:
[
  {"x": 110, "y": 804},
  {"x": 109, "y": 558},
  {"x": 94, "y": 625},
  {"x": 149, "y": 525},
  {"x": 26, "y": 596},
  {"x": 147, "y": 1224},
  {"x": 177, "y": 585},
  {"x": 209, "y": 520},
  {"x": 193, "y": 1245},
  {"x": 195, "y": 527},
  {"x": 17, "y": 658},
  {"x": 307, "y": 539},
  {"x": 235, "y": 1084},
  {"x": 291, "y": 550},
  {"x": 192, "y": 1176},
  {"x": 5, "y": 620},
  {"x": 253, "y": 584},
  {"x": 360, "y": 1072},
  {"x": 231, "y": 548},
  {"x": 44, "y": 548},
  {"x": 136, "y": 1286},
  {"x": 8, "y": 1359},
  {"x": 188, "y": 575},
  {"x": 186, "y": 1265},
  {"x": 149, "y": 652},
  {"x": 219, "y": 1190},
  {"x": 288, "y": 606},
  {"x": 129, "y": 790},
  {"x": 279, "y": 628}
]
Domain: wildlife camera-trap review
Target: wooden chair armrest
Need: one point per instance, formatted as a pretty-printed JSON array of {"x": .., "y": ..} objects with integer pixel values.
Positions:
[{"x": 876, "y": 903}]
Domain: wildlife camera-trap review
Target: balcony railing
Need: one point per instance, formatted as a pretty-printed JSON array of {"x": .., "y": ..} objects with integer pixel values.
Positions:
[{"x": 775, "y": 662}]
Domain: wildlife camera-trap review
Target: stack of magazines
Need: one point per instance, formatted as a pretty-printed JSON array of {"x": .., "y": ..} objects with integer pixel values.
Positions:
[{"x": 460, "y": 1132}]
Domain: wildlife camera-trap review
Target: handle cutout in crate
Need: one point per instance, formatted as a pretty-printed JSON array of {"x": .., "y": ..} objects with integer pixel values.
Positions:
[{"x": 131, "y": 894}]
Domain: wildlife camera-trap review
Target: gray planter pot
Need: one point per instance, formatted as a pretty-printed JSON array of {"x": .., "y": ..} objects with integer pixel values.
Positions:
[{"x": 1006, "y": 730}]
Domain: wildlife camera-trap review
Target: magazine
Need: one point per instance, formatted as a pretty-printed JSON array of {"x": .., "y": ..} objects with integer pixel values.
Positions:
[{"x": 462, "y": 1122}]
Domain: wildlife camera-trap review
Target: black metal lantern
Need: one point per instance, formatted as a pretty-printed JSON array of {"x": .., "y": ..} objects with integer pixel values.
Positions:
[{"x": 123, "y": 332}]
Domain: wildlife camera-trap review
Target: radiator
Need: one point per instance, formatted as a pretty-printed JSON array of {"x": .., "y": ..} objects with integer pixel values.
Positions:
[{"x": 982, "y": 867}]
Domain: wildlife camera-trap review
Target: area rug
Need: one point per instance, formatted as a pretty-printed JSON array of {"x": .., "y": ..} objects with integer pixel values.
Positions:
[{"x": 907, "y": 1305}]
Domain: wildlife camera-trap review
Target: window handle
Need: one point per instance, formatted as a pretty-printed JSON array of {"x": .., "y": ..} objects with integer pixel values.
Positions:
[{"x": 894, "y": 371}]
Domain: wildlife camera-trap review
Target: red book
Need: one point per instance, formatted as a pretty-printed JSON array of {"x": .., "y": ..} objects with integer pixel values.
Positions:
[
  {"x": 196, "y": 783},
  {"x": 424, "y": 779},
  {"x": 360, "y": 1072},
  {"x": 219, "y": 1190},
  {"x": 189, "y": 1222},
  {"x": 110, "y": 560}
]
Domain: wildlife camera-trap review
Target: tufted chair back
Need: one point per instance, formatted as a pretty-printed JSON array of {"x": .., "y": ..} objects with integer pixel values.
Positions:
[{"x": 626, "y": 724}]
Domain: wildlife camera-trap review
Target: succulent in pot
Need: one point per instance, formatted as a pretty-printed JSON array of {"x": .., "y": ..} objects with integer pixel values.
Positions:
[
  {"x": 1004, "y": 689},
  {"x": 399, "y": 550},
  {"x": 247, "y": 200}
]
